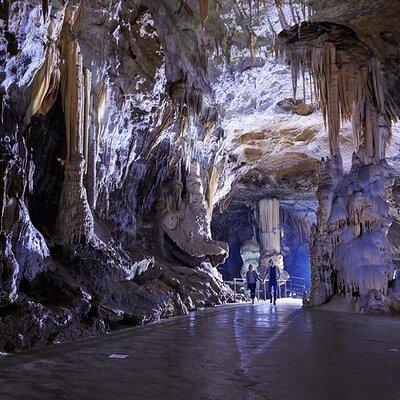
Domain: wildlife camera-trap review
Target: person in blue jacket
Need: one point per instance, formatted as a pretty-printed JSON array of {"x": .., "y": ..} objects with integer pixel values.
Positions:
[{"x": 273, "y": 274}]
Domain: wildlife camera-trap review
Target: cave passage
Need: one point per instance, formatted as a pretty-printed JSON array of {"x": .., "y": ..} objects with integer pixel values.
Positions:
[
  {"x": 152, "y": 151},
  {"x": 238, "y": 226}
]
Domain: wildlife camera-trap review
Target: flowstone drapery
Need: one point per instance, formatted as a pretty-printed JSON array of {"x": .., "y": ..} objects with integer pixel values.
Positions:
[
  {"x": 186, "y": 221},
  {"x": 350, "y": 252},
  {"x": 63, "y": 70}
]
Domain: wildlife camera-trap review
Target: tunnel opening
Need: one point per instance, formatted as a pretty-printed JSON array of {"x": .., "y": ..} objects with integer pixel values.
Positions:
[
  {"x": 241, "y": 225},
  {"x": 295, "y": 239}
]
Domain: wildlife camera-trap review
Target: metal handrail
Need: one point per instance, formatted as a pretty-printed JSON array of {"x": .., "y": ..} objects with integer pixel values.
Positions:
[
  {"x": 241, "y": 281},
  {"x": 295, "y": 287}
]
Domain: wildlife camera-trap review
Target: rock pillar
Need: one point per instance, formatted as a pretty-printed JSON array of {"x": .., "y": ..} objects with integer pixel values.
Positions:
[
  {"x": 269, "y": 233},
  {"x": 75, "y": 220}
]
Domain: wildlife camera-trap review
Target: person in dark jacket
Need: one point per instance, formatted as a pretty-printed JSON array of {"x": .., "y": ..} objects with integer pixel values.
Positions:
[
  {"x": 251, "y": 280},
  {"x": 273, "y": 274}
]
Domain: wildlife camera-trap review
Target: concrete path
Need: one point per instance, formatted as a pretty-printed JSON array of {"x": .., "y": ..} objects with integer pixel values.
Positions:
[{"x": 231, "y": 352}]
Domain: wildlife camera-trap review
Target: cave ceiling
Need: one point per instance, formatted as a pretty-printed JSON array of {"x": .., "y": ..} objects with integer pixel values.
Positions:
[{"x": 229, "y": 63}]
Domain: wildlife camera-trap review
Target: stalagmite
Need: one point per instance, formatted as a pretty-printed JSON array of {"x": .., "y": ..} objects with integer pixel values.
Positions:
[{"x": 250, "y": 253}]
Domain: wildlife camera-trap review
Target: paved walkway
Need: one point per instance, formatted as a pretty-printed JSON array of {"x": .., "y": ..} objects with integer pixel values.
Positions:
[{"x": 232, "y": 352}]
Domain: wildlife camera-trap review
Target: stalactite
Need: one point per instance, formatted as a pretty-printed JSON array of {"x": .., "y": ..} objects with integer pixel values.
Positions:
[
  {"x": 72, "y": 90},
  {"x": 269, "y": 225},
  {"x": 274, "y": 33},
  {"x": 281, "y": 15},
  {"x": 45, "y": 7},
  {"x": 268, "y": 217},
  {"x": 46, "y": 81},
  {"x": 86, "y": 110},
  {"x": 90, "y": 144},
  {"x": 349, "y": 82},
  {"x": 295, "y": 19},
  {"x": 204, "y": 10}
]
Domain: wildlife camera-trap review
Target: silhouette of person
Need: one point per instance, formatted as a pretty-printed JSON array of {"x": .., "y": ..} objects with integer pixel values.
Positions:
[
  {"x": 251, "y": 280},
  {"x": 273, "y": 274}
]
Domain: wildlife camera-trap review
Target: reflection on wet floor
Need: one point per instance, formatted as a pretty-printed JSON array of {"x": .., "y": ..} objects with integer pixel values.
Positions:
[{"x": 230, "y": 352}]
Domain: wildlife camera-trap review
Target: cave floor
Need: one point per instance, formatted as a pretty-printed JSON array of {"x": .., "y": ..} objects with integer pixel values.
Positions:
[{"x": 228, "y": 352}]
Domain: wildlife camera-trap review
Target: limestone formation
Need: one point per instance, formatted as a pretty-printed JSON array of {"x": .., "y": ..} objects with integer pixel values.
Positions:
[
  {"x": 187, "y": 221},
  {"x": 270, "y": 233},
  {"x": 75, "y": 220},
  {"x": 250, "y": 253},
  {"x": 350, "y": 250}
]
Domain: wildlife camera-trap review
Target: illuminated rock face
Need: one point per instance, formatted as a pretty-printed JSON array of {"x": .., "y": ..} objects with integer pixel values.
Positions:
[
  {"x": 350, "y": 251},
  {"x": 186, "y": 222}
]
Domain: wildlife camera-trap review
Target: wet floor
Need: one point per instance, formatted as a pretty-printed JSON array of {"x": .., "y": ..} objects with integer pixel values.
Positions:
[{"x": 230, "y": 352}]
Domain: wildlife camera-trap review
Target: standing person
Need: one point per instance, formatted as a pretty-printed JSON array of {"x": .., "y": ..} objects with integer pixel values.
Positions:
[
  {"x": 272, "y": 274},
  {"x": 251, "y": 279}
]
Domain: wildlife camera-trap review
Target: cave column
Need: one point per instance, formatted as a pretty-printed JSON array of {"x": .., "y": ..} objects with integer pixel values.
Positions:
[
  {"x": 75, "y": 220},
  {"x": 269, "y": 233}
]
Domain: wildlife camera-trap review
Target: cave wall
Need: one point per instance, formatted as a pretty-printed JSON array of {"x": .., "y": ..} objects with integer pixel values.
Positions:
[
  {"x": 115, "y": 147},
  {"x": 100, "y": 164}
]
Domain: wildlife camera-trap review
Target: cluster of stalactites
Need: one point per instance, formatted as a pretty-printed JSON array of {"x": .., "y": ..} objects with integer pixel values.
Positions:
[{"x": 346, "y": 88}]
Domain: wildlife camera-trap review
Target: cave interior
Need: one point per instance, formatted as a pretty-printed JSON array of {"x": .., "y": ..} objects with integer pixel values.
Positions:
[{"x": 151, "y": 150}]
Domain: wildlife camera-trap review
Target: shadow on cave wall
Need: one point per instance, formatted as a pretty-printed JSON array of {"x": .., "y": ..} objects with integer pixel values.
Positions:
[{"x": 47, "y": 145}]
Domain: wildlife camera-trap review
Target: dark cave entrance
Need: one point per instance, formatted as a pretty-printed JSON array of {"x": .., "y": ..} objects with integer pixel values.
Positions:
[
  {"x": 46, "y": 141},
  {"x": 234, "y": 226}
]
